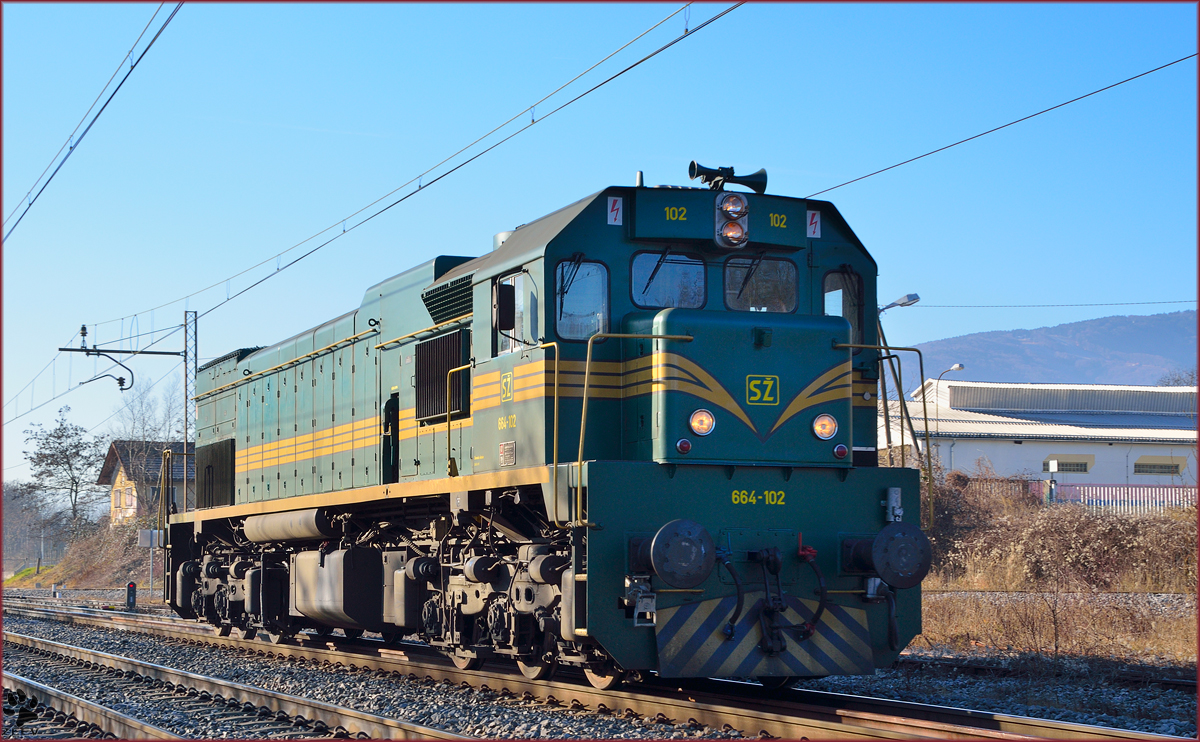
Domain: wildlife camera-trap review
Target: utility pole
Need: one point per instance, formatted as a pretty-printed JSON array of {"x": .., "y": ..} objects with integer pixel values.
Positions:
[
  {"x": 190, "y": 363},
  {"x": 189, "y": 373}
]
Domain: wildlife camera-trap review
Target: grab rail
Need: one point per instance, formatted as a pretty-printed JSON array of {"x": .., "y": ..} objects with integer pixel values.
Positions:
[
  {"x": 451, "y": 464},
  {"x": 587, "y": 370},
  {"x": 903, "y": 409}
]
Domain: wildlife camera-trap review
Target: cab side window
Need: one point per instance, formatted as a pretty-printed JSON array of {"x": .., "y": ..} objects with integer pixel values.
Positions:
[
  {"x": 508, "y": 341},
  {"x": 581, "y": 298},
  {"x": 844, "y": 298}
]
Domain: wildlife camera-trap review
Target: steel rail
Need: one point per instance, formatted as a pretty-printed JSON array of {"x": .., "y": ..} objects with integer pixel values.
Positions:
[
  {"x": 113, "y": 722},
  {"x": 799, "y": 713},
  {"x": 355, "y": 722}
]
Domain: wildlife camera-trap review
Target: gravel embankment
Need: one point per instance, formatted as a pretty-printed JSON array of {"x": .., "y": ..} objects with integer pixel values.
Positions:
[
  {"x": 1081, "y": 693},
  {"x": 462, "y": 710}
]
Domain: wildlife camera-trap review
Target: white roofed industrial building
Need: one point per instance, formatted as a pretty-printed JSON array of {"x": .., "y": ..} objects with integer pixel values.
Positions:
[{"x": 1093, "y": 433}]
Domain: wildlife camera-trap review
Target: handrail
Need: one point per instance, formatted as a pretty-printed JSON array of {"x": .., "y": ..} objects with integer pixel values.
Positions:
[
  {"x": 554, "y": 476},
  {"x": 587, "y": 370},
  {"x": 431, "y": 328},
  {"x": 903, "y": 407},
  {"x": 318, "y": 352},
  {"x": 451, "y": 464}
]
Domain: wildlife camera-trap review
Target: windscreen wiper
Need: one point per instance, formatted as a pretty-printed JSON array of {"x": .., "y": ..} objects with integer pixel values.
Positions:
[
  {"x": 568, "y": 278},
  {"x": 750, "y": 272},
  {"x": 661, "y": 259}
]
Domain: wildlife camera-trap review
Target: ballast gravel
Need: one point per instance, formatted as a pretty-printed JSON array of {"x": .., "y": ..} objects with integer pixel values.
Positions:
[
  {"x": 462, "y": 710},
  {"x": 1072, "y": 697}
]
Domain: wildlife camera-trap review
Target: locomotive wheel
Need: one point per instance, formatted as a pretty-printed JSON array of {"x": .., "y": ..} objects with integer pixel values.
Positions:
[
  {"x": 323, "y": 631},
  {"x": 222, "y": 629},
  {"x": 536, "y": 668},
  {"x": 391, "y": 637},
  {"x": 352, "y": 633},
  {"x": 466, "y": 663},
  {"x": 247, "y": 633},
  {"x": 777, "y": 683},
  {"x": 604, "y": 678}
]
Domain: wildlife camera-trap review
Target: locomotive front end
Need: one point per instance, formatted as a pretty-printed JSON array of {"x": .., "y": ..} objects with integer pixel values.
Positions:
[{"x": 748, "y": 531}]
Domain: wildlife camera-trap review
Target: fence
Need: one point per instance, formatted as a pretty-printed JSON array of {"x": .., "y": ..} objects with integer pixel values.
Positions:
[
  {"x": 1130, "y": 499},
  {"x": 1007, "y": 489}
]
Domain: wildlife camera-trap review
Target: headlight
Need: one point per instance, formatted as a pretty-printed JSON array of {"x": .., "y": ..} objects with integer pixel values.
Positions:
[
  {"x": 825, "y": 427},
  {"x": 732, "y": 234},
  {"x": 733, "y": 206},
  {"x": 702, "y": 422}
]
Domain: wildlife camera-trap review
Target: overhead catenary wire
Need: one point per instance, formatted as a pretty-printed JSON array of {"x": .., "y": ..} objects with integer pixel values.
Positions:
[
  {"x": 67, "y": 391},
  {"x": 96, "y": 118},
  {"x": 1038, "y": 306},
  {"x": 71, "y": 137},
  {"x": 476, "y": 156},
  {"x": 121, "y": 409},
  {"x": 1005, "y": 126},
  {"x": 39, "y": 373},
  {"x": 117, "y": 412},
  {"x": 424, "y": 186},
  {"x": 415, "y": 179}
]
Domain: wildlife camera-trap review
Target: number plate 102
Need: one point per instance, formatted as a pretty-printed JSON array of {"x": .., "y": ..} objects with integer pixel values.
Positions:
[{"x": 751, "y": 497}]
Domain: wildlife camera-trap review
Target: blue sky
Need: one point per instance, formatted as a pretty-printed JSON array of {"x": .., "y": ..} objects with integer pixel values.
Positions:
[{"x": 248, "y": 128}]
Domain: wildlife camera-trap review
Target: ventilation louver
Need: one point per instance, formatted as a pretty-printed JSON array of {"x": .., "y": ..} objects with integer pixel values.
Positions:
[
  {"x": 434, "y": 358},
  {"x": 449, "y": 300}
]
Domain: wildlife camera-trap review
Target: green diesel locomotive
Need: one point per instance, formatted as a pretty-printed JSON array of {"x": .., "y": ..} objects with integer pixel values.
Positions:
[{"x": 637, "y": 435}]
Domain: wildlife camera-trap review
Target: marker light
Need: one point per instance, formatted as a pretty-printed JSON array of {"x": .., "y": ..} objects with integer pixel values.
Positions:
[
  {"x": 733, "y": 206},
  {"x": 683, "y": 445},
  {"x": 840, "y": 450},
  {"x": 732, "y": 234},
  {"x": 702, "y": 422},
  {"x": 825, "y": 427}
]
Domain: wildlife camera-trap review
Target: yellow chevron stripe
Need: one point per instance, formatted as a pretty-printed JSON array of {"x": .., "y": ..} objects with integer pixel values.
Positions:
[{"x": 828, "y": 387}]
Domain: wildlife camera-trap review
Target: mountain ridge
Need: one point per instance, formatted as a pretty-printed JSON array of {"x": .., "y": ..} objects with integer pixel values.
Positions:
[{"x": 1121, "y": 349}]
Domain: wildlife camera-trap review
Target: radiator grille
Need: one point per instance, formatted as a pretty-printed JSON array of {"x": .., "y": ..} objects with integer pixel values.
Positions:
[
  {"x": 214, "y": 474},
  {"x": 449, "y": 300},
  {"x": 435, "y": 358}
]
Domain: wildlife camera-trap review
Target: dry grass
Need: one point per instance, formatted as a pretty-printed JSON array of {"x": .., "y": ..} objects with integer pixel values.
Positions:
[
  {"x": 109, "y": 557},
  {"x": 1059, "y": 581},
  {"x": 1059, "y": 625}
]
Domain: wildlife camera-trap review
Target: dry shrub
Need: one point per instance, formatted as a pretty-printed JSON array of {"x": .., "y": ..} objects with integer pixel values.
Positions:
[
  {"x": 993, "y": 533},
  {"x": 1054, "y": 625},
  {"x": 108, "y": 557},
  {"x": 1071, "y": 543}
]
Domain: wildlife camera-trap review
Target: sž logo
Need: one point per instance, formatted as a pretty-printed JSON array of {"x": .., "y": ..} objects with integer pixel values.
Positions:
[{"x": 762, "y": 390}]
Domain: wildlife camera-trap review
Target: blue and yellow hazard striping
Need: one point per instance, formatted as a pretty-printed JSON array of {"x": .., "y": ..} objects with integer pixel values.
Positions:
[{"x": 691, "y": 642}]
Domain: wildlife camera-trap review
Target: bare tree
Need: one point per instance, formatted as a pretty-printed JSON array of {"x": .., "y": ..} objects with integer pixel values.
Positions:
[
  {"x": 1178, "y": 377},
  {"x": 66, "y": 462}
]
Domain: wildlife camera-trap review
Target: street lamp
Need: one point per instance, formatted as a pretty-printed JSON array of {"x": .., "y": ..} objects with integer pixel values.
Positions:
[
  {"x": 904, "y": 301},
  {"x": 937, "y": 399}
]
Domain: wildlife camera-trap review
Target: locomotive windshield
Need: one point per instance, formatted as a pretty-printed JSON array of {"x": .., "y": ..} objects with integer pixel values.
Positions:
[
  {"x": 668, "y": 279},
  {"x": 582, "y": 299},
  {"x": 760, "y": 284}
]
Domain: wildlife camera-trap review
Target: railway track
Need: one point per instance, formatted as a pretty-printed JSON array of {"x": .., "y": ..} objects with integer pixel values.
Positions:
[
  {"x": 792, "y": 714},
  {"x": 198, "y": 702},
  {"x": 36, "y": 711}
]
